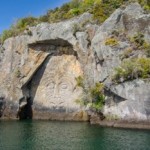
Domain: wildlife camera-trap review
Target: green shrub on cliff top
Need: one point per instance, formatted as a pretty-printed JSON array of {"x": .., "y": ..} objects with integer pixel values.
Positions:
[
  {"x": 101, "y": 10},
  {"x": 18, "y": 27}
]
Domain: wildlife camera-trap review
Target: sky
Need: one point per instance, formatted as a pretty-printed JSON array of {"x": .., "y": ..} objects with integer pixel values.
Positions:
[{"x": 11, "y": 10}]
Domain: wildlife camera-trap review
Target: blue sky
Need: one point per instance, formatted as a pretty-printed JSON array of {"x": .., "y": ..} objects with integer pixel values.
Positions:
[{"x": 12, "y": 10}]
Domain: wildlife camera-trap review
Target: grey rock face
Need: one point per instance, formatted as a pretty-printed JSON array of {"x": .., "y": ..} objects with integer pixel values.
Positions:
[
  {"x": 44, "y": 67},
  {"x": 45, "y": 64},
  {"x": 127, "y": 100},
  {"x": 135, "y": 101},
  {"x": 83, "y": 40},
  {"x": 129, "y": 21}
]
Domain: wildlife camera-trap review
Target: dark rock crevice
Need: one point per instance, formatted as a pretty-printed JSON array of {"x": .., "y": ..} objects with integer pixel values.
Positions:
[
  {"x": 112, "y": 97},
  {"x": 25, "y": 108},
  {"x": 56, "y": 42},
  {"x": 2, "y": 105}
]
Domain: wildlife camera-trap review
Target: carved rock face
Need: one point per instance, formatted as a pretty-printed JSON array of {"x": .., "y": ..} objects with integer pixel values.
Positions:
[
  {"x": 54, "y": 85},
  {"x": 58, "y": 89}
]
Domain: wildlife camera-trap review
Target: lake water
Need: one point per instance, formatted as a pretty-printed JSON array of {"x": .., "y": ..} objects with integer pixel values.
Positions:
[{"x": 47, "y": 135}]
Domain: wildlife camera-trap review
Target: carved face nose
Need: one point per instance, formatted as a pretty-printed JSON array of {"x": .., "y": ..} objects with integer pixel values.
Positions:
[{"x": 56, "y": 92}]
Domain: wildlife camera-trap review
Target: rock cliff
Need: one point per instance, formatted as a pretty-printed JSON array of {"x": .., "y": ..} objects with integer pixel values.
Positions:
[{"x": 39, "y": 68}]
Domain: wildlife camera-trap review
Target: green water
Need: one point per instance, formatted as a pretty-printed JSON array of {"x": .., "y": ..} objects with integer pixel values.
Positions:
[{"x": 46, "y": 135}]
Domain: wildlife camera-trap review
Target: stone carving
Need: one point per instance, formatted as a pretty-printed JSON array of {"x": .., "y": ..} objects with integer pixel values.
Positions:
[{"x": 56, "y": 88}]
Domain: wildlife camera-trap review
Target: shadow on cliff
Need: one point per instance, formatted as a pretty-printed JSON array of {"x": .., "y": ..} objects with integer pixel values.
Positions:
[{"x": 26, "y": 111}]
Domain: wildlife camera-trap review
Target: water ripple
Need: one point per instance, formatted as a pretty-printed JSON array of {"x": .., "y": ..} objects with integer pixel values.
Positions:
[{"x": 46, "y": 135}]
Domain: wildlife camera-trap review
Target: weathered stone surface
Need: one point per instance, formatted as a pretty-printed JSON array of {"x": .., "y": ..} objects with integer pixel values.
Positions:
[
  {"x": 54, "y": 85},
  {"x": 83, "y": 40},
  {"x": 132, "y": 101},
  {"x": 127, "y": 22},
  {"x": 72, "y": 116},
  {"x": 135, "y": 100},
  {"x": 44, "y": 65}
]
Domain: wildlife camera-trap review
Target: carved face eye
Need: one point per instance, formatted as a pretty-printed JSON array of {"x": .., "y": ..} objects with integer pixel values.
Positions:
[
  {"x": 63, "y": 86},
  {"x": 51, "y": 85}
]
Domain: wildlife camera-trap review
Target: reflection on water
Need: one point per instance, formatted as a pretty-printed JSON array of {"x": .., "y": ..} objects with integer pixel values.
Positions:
[{"x": 46, "y": 135}]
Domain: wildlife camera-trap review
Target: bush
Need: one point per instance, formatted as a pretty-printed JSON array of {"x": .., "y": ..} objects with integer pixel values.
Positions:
[
  {"x": 101, "y": 10},
  {"x": 138, "y": 39},
  {"x": 146, "y": 47},
  {"x": 97, "y": 95},
  {"x": 140, "y": 43},
  {"x": 126, "y": 54},
  {"x": 145, "y": 4},
  {"x": 92, "y": 95},
  {"x": 132, "y": 69},
  {"x": 112, "y": 117},
  {"x": 6, "y": 34},
  {"x": 17, "y": 73},
  {"x": 80, "y": 81},
  {"x": 104, "y": 8},
  {"x": 23, "y": 23},
  {"x": 19, "y": 27},
  {"x": 111, "y": 42},
  {"x": 43, "y": 18},
  {"x": 75, "y": 3}
]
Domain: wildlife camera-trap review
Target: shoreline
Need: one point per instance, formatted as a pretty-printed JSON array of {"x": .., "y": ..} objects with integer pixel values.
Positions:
[
  {"x": 124, "y": 124},
  {"x": 105, "y": 123}
]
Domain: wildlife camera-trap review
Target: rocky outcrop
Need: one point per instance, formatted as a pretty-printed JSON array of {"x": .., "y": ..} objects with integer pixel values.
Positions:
[
  {"x": 127, "y": 100},
  {"x": 43, "y": 66},
  {"x": 44, "y": 62},
  {"x": 133, "y": 103},
  {"x": 125, "y": 23}
]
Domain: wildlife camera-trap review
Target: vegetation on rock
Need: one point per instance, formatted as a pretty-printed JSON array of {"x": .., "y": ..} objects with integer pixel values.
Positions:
[
  {"x": 112, "y": 117},
  {"x": 141, "y": 44},
  {"x": 126, "y": 54},
  {"x": 147, "y": 49},
  {"x": 93, "y": 96},
  {"x": 17, "y": 73},
  {"x": 111, "y": 42},
  {"x": 132, "y": 69},
  {"x": 138, "y": 39},
  {"x": 101, "y": 10},
  {"x": 97, "y": 95},
  {"x": 19, "y": 27}
]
